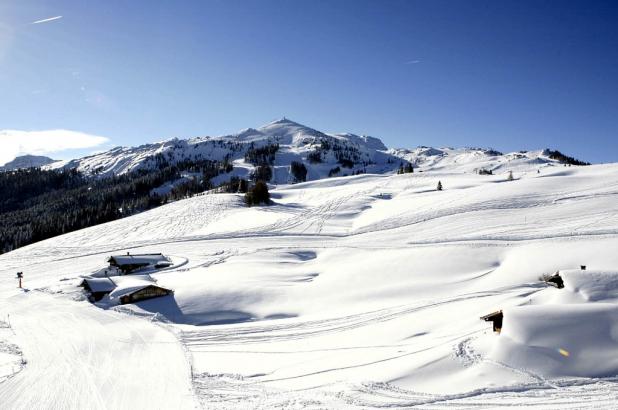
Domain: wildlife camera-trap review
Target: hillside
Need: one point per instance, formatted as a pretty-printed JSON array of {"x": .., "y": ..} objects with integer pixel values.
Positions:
[
  {"x": 351, "y": 292},
  {"x": 68, "y": 195}
]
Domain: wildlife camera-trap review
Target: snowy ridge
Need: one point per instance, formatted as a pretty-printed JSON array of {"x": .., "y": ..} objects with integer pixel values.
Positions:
[
  {"x": 322, "y": 154},
  {"x": 296, "y": 142},
  {"x": 472, "y": 160},
  {"x": 26, "y": 161}
]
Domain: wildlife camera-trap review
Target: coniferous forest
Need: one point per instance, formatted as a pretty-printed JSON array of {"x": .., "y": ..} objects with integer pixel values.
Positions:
[{"x": 38, "y": 204}]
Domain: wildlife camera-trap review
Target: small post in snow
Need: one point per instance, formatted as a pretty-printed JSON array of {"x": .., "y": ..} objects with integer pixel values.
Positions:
[{"x": 20, "y": 275}]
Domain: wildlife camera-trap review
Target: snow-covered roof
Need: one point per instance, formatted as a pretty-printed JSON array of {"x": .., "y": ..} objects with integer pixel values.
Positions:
[
  {"x": 127, "y": 280},
  {"x": 100, "y": 284},
  {"x": 147, "y": 259},
  {"x": 104, "y": 272},
  {"x": 130, "y": 284},
  {"x": 592, "y": 285},
  {"x": 556, "y": 339}
]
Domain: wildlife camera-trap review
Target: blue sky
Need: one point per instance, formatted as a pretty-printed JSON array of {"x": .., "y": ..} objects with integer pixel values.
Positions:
[{"x": 508, "y": 75}]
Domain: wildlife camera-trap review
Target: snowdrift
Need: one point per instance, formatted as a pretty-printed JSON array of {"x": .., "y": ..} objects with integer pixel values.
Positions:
[
  {"x": 349, "y": 292},
  {"x": 572, "y": 332},
  {"x": 561, "y": 340},
  {"x": 592, "y": 286}
]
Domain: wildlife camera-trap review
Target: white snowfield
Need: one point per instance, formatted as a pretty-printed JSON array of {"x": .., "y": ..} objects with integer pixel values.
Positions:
[
  {"x": 356, "y": 292},
  {"x": 338, "y": 154}
]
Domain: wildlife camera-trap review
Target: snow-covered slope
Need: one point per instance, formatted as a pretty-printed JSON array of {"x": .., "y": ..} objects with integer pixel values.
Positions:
[
  {"x": 473, "y": 160},
  {"x": 322, "y": 154},
  {"x": 352, "y": 292},
  {"x": 351, "y": 153},
  {"x": 27, "y": 161}
]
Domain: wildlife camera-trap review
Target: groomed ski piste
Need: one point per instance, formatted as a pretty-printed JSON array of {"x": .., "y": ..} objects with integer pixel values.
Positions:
[{"x": 352, "y": 292}]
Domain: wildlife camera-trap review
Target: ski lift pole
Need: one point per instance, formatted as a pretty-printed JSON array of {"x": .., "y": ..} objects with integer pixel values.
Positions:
[{"x": 20, "y": 275}]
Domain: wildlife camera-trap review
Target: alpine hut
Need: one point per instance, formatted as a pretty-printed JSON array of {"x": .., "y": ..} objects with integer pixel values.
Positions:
[
  {"x": 129, "y": 263},
  {"x": 555, "y": 280},
  {"x": 133, "y": 288},
  {"x": 147, "y": 292},
  {"x": 98, "y": 287},
  {"x": 496, "y": 319}
]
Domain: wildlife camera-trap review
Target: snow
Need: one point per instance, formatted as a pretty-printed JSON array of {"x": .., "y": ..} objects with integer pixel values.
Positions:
[
  {"x": 79, "y": 356},
  {"x": 561, "y": 340},
  {"x": 564, "y": 334},
  {"x": 129, "y": 284},
  {"x": 147, "y": 259},
  {"x": 296, "y": 142},
  {"x": 11, "y": 359},
  {"x": 592, "y": 285},
  {"x": 350, "y": 292},
  {"x": 26, "y": 161},
  {"x": 100, "y": 284},
  {"x": 471, "y": 160}
]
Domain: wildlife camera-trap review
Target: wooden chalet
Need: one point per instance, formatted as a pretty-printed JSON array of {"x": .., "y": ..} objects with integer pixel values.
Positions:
[
  {"x": 129, "y": 263},
  {"x": 555, "y": 280},
  {"x": 98, "y": 287},
  {"x": 147, "y": 292},
  {"x": 123, "y": 289},
  {"x": 496, "y": 319}
]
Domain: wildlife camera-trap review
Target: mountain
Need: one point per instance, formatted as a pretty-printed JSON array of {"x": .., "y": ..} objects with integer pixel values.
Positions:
[
  {"x": 473, "y": 160},
  {"x": 321, "y": 153},
  {"x": 27, "y": 161},
  {"x": 282, "y": 142},
  {"x": 39, "y": 204}
]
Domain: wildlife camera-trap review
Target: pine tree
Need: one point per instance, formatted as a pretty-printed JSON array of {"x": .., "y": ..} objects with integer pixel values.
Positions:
[
  {"x": 439, "y": 187},
  {"x": 242, "y": 186},
  {"x": 299, "y": 171},
  {"x": 258, "y": 194}
]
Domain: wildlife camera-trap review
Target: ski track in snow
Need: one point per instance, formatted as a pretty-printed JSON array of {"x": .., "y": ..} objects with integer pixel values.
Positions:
[
  {"x": 88, "y": 358},
  {"x": 80, "y": 356},
  {"x": 291, "y": 331},
  {"x": 569, "y": 394}
]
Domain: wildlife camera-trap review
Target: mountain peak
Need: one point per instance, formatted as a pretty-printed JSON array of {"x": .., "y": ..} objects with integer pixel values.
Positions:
[
  {"x": 322, "y": 154},
  {"x": 283, "y": 120},
  {"x": 287, "y": 129},
  {"x": 26, "y": 161},
  {"x": 284, "y": 123}
]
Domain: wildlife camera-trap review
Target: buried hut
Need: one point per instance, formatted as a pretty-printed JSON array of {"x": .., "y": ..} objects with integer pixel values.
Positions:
[
  {"x": 136, "y": 288},
  {"x": 124, "y": 289},
  {"x": 147, "y": 292},
  {"x": 496, "y": 319},
  {"x": 98, "y": 287},
  {"x": 129, "y": 263},
  {"x": 556, "y": 278}
]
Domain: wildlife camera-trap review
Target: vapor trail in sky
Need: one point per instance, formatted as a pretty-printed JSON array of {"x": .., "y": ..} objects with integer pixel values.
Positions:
[{"x": 46, "y": 20}]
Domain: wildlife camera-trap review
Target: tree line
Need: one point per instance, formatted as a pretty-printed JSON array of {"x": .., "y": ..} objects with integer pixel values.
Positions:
[{"x": 39, "y": 204}]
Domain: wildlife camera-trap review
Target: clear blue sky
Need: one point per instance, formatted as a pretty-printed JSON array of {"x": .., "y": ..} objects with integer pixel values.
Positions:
[{"x": 508, "y": 75}]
